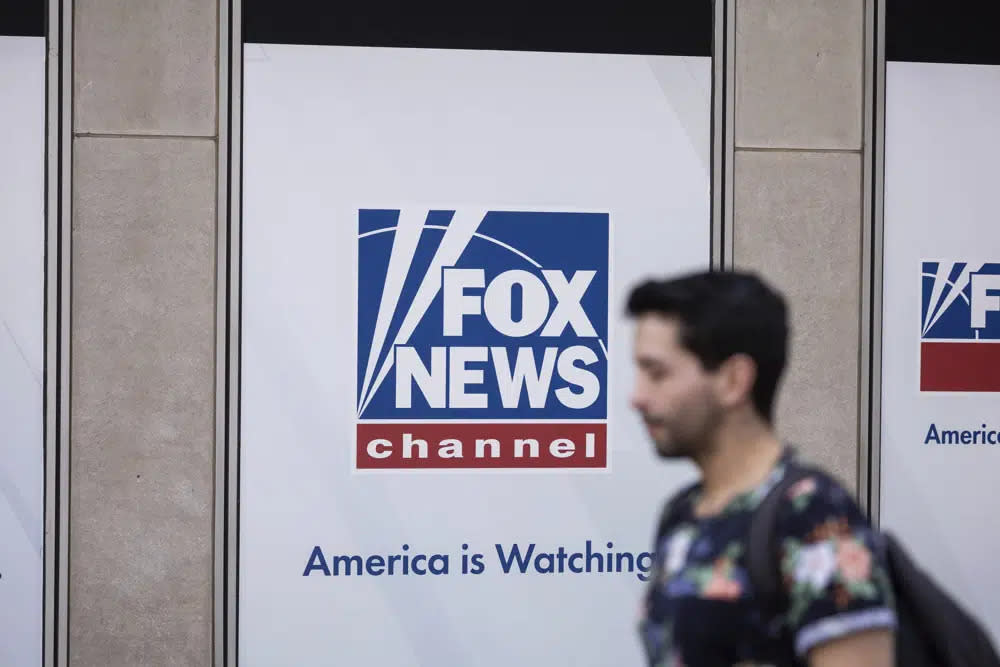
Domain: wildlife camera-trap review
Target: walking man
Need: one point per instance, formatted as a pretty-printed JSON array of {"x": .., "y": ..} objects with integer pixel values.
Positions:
[{"x": 710, "y": 349}]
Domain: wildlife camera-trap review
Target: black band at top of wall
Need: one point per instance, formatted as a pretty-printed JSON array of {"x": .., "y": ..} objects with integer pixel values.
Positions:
[
  {"x": 942, "y": 31},
  {"x": 668, "y": 27},
  {"x": 22, "y": 18}
]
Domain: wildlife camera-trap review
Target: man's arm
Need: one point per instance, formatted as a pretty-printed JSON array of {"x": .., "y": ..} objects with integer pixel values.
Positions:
[
  {"x": 874, "y": 648},
  {"x": 840, "y": 607}
]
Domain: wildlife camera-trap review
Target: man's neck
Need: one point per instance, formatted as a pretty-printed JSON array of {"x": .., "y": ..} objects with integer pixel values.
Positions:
[{"x": 739, "y": 458}]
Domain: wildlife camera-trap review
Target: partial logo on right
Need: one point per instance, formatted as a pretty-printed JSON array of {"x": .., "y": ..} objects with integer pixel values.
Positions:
[{"x": 960, "y": 327}]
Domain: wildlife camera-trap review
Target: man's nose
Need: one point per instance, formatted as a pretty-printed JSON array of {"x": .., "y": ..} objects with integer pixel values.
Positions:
[{"x": 638, "y": 398}]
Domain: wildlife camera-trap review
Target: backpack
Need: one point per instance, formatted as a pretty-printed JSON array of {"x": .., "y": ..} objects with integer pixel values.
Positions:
[{"x": 932, "y": 629}]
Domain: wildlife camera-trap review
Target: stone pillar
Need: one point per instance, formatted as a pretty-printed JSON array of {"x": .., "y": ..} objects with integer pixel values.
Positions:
[
  {"x": 797, "y": 210},
  {"x": 143, "y": 339}
]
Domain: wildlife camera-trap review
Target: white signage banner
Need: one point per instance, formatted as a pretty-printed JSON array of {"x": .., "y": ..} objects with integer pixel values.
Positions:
[
  {"x": 940, "y": 438},
  {"x": 439, "y": 464},
  {"x": 22, "y": 279}
]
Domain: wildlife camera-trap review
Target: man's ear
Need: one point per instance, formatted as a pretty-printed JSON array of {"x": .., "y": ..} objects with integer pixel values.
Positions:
[{"x": 736, "y": 377}]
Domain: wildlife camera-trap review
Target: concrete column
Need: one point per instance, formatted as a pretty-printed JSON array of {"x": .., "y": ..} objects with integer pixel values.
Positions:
[
  {"x": 797, "y": 202},
  {"x": 143, "y": 291}
]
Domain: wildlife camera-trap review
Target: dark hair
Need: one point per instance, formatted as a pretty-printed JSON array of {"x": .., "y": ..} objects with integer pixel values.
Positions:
[{"x": 722, "y": 314}]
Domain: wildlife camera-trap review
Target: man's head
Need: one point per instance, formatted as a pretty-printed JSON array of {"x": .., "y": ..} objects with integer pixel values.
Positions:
[{"x": 709, "y": 348}]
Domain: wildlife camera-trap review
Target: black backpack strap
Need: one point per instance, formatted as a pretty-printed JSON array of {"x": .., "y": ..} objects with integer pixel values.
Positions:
[
  {"x": 763, "y": 553},
  {"x": 672, "y": 511}
]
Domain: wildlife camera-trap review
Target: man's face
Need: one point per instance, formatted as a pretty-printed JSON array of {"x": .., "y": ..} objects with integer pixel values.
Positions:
[{"x": 673, "y": 393}]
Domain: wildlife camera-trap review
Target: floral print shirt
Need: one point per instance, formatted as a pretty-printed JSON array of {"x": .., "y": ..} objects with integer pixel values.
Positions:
[{"x": 700, "y": 609}]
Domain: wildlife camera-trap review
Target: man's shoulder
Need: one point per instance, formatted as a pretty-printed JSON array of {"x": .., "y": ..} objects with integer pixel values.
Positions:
[
  {"x": 684, "y": 493},
  {"x": 816, "y": 494},
  {"x": 815, "y": 478},
  {"x": 676, "y": 506}
]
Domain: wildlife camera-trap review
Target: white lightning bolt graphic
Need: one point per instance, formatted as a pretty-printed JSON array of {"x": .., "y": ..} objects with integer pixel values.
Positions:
[
  {"x": 404, "y": 245},
  {"x": 954, "y": 290},
  {"x": 461, "y": 230}
]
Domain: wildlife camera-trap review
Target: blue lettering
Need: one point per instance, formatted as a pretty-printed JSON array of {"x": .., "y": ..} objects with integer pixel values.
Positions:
[
  {"x": 561, "y": 555},
  {"x": 439, "y": 564},
  {"x": 477, "y": 564},
  {"x": 981, "y": 436},
  {"x": 347, "y": 561},
  {"x": 515, "y": 558},
  {"x": 545, "y": 564},
  {"x": 393, "y": 560},
  {"x": 375, "y": 565},
  {"x": 591, "y": 555},
  {"x": 645, "y": 563},
  {"x": 625, "y": 557},
  {"x": 515, "y": 555},
  {"x": 316, "y": 562}
]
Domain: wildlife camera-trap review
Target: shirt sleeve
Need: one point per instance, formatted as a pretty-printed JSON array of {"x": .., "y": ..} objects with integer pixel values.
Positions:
[{"x": 833, "y": 572}]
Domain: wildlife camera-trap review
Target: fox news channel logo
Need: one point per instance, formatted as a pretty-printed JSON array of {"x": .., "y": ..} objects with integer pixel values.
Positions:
[
  {"x": 482, "y": 339},
  {"x": 960, "y": 328}
]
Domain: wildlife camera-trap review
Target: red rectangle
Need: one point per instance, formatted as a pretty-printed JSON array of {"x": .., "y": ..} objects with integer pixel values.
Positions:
[
  {"x": 568, "y": 445},
  {"x": 959, "y": 366}
]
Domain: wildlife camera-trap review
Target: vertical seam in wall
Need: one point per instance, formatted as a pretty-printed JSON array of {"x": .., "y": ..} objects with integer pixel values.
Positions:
[
  {"x": 67, "y": 124},
  {"x": 221, "y": 19},
  {"x": 234, "y": 324},
  {"x": 52, "y": 397},
  {"x": 864, "y": 273},
  {"x": 729, "y": 109},
  {"x": 217, "y": 634},
  {"x": 878, "y": 222},
  {"x": 717, "y": 122}
]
